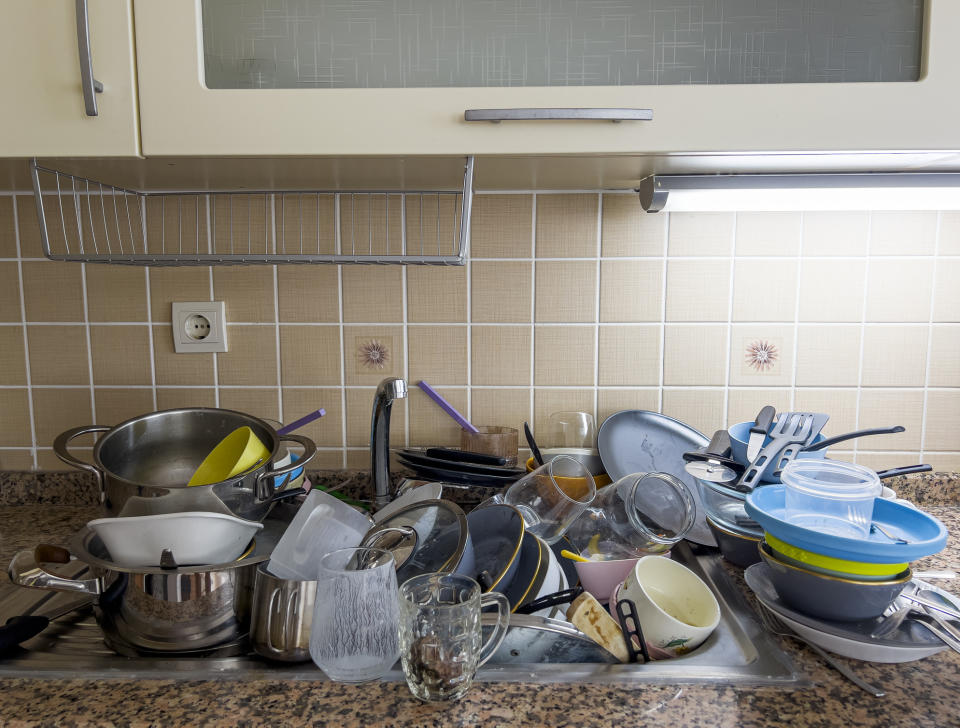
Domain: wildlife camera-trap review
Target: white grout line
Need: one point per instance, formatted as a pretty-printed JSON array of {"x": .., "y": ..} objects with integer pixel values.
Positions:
[
  {"x": 86, "y": 328},
  {"x": 596, "y": 313},
  {"x": 216, "y": 360},
  {"x": 276, "y": 312},
  {"x": 732, "y": 282},
  {"x": 796, "y": 318},
  {"x": 343, "y": 350},
  {"x": 150, "y": 344},
  {"x": 926, "y": 374},
  {"x": 26, "y": 343},
  {"x": 405, "y": 342},
  {"x": 863, "y": 319},
  {"x": 663, "y": 313},
  {"x": 533, "y": 311}
]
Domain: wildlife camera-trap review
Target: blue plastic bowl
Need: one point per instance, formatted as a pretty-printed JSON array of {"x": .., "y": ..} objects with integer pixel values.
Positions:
[{"x": 740, "y": 434}]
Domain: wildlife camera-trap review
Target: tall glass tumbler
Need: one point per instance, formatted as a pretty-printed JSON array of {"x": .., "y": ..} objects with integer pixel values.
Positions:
[
  {"x": 552, "y": 496},
  {"x": 441, "y": 641},
  {"x": 354, "y": 636}
]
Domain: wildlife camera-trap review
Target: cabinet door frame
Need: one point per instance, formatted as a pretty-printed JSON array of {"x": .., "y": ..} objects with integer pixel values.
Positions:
[{"x": 183, "y": 117}]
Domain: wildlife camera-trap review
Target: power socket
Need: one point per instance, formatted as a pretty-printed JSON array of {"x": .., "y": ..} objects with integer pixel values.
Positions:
[{"x": 199, "y": 326}]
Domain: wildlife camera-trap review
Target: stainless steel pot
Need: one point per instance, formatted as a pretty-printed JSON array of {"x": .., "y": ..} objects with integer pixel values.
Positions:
[
  {"x": 282, "y": 617},
  {"x": 143, "y": 465}
]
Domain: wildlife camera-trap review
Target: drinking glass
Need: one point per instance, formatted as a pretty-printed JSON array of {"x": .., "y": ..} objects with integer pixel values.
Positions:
[
  {"x": 441, "y": 641},
  {"x": 571, "y": 429},
  {"x": 356, "y": 615},
  {"x": 552, "y": 496}
]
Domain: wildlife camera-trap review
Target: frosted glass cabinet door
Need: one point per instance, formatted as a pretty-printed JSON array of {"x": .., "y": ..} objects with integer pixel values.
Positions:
[
  {"x": 302, "y": 77},
  {"x": 44, "y": 112}
]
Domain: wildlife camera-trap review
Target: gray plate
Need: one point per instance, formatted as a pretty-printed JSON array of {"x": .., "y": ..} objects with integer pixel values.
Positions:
[{"x": 639, "y": 441}]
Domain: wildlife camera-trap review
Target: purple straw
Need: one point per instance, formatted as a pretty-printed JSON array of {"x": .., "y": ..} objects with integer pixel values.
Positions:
[
  {"x": 305, "y": 420},
  {"x": 447, "y": 407}
]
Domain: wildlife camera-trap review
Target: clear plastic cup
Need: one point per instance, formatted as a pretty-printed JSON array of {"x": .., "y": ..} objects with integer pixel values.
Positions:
[{"x": 831, "y": 497}]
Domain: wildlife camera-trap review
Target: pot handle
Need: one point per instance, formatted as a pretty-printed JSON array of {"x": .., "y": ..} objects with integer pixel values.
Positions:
[
  {"x": 60, "y": 449},
  {"x": 25, "y": 570},
  {"x": 266, "y": 478}
]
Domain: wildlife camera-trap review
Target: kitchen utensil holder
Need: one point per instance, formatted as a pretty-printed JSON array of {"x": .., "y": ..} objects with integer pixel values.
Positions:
[{"x": 86, "y": 221}]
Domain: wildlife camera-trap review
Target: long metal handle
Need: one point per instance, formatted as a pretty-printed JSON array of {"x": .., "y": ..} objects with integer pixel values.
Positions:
[
  {"x": 91, "y": 86},
  {"x": 615, "y": 115},
  {"x": 25, "y": 570}
]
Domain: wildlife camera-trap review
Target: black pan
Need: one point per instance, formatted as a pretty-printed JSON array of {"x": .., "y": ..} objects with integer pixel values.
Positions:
[{"x": 413, "y": 457}]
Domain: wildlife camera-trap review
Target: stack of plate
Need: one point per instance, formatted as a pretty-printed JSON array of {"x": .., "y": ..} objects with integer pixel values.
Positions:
[{"x": 457, "y": 471}]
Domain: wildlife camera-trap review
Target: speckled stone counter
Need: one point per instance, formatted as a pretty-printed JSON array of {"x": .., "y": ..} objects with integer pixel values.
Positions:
[{"x": 919, "y": 694}]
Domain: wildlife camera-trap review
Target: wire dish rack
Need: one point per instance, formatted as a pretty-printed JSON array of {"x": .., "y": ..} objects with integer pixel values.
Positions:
[{"x": 91, "y": 222}]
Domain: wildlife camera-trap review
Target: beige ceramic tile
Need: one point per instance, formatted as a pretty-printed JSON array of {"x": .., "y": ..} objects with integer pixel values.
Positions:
[
  {"x": 761, "y": 355},
  {"x": 15, "y": 423},
  {"x": 631, "y": 290},
  {"x": 501, "y": 226},
  {"x": 899, "y": 290},
  {"x": 889, "y": 407},
  {"x": 501, "y": 407},
  {"x": 946, "y": 302},
  {"x": 116, "y": 293},
  {"x": 768, "y": 233},
  {"x": 179, "y": 369},
  {"x": 500, "y": 292},
  {"x": 832, "y": 290},
  {"x": 840, "y": 404},
  {"x": 628, "y": 230},
  {"x": 702, "y": 409},
  {"x": 429, "y": 425},
  {"x": 177, "y": 284},
  {"x": 9, "y": 292},
  {"x": 300, "y": 401},
  {"x": 698, "y": 290},
  {"x": 53, "y": 291},
  {"x": 16, "y": 460},
  {"x": 894, "y": 356},
  {"x": 945, "y": 356},
  {"x": 359, "y": 459},
  {"x": 563, "y": 355},
  {"x": 308, "y": 293},
  {"x": 55, "y": 410},
  {"x": 359, "y": 409},
  {"x": 29, "y": 228},
  {"x": 8, "y": 232},
  {"x": 307, "y": 223},
  {"x": 369, "y": 224},
  {"x": 610, "y": 401},
  {"x": 903, "y": 233},
  {"x": 251, "y": 359},
  {"x": 695, "y": 355},
  {"x": 13, "y": 364},
  {"x": 701, "y": 233},
  {"x": 176, "y": 398},
  {"x": 238, "y": 223},
  {"x": 943, "y": 420},
  {"x": 942, "y": 462},
  {"x": 310, "y": 355},
  {"x": 372, "y": 294},
  {"x": 58, "y": 355},
  {"x": 333, "y": 460},
  {"x": 178, "y": 223},
  {"x": 548, "y": 401},
  {"x": 884, "y": 460},
  {"x": 629, "y": 355},
  {"x": 949, "y": 242},
  {"x": 118, "y": 405},
  {"x": 828, "y": 356},
  {"x": 436, "y": 294},
  {"x": 567, "y": 226},
  {"x": 247, "y": 291},
  {"x": 566, "y": 291},
  {"x": 120, "y": 354},
  {"x": 835, "y": 233},
  {"x": 438, "y": 236},
  {"x": 500, "y": 355},
  {"x": 48, "y": 461},
  {"x": 764, "y": 290},
  {"x": 259, "y": 402},
  {"x": 744, "y": 404},
  {"x": 438, "y": 354},
  {"x": 372, "y": 353}
]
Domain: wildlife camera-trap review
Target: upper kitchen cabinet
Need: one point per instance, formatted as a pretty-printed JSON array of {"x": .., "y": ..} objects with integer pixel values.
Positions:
[
  {"x": 55, "y": 54},
  {"x": 326, "y": 77}
]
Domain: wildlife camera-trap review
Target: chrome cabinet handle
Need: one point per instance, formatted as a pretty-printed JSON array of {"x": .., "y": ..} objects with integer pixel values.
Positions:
[
  {"x": 91, "y": 86},
  {"x": 614, "y": 115}
]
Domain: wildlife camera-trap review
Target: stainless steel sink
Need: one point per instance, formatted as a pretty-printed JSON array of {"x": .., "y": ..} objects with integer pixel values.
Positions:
[{"x": 739, "y": 651}]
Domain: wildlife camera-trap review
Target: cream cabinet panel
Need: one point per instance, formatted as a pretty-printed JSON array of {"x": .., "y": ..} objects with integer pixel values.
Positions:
[
  {"x": 43, "y": 103},
  {"x": 181, "y": 116}
]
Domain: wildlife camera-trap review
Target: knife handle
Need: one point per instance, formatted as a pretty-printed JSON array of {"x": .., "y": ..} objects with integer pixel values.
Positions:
[{"x": 764, "y": 420}]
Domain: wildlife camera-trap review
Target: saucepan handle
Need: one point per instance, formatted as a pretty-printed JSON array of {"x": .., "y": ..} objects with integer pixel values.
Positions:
[
  {"x": 61, "y": 451},
  {"x": 265, "y": 480},
  {"x": 25, "y": 570}
]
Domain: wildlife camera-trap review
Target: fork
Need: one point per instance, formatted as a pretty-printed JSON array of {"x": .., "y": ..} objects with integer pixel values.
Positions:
[{"x": 775, "y": 626}]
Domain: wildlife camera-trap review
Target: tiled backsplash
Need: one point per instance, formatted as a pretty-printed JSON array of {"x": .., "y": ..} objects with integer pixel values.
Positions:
[{"x": 569, "y": 301}]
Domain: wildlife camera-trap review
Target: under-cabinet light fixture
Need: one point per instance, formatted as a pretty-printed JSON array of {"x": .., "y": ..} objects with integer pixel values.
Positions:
[{"x": 799, "y": 192}]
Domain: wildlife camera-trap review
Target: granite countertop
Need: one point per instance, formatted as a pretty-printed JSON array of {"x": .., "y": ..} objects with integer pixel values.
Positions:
[{"x": 923, "y": 693}]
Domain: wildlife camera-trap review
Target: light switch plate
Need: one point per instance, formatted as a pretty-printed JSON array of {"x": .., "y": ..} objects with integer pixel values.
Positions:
[{"x": 199, "y": 326}]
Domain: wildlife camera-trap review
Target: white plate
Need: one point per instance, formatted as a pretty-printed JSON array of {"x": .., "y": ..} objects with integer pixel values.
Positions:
[{"x": 639, "y": 441}]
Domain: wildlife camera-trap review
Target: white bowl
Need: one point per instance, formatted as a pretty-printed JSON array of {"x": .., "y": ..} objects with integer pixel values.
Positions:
[{"x": 192, "y": 538}]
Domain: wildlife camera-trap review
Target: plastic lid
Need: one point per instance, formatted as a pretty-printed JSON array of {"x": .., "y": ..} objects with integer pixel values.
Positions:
[{"x": 831, "y": 479}]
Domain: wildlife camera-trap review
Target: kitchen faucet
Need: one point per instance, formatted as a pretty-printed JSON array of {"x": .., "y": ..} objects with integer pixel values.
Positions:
[{"x": 388, "y": 390}]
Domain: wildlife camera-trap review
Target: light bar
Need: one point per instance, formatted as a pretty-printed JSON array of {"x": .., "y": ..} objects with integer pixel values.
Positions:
[{"x": 799, "y": 192}]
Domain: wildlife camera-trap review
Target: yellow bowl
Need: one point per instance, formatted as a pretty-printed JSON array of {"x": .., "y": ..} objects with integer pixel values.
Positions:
[
  {"x": 236, "y": 453},
  {"x": 829, "y": 563},
  {"x": 572, "y": 485}
]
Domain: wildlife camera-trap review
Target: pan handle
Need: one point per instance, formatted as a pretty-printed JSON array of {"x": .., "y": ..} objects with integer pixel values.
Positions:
[
  {"x": 25, "y": 570},
  {"x": 61, "y": 451},
  {"x": 265, "y": 489},
  {"x": 906, "y": 470},
  {"x": 850, "y": 435}
]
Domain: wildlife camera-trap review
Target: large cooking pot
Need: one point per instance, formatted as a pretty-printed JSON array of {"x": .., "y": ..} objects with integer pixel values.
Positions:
[{"x": 143, "y": 465}]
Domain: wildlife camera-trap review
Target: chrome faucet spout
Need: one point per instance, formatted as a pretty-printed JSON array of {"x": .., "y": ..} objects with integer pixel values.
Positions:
[{"x": 389, "y": 390}]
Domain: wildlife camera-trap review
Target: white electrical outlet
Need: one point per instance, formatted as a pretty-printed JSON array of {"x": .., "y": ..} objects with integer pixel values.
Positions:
[{"x": 199, "y": 327}]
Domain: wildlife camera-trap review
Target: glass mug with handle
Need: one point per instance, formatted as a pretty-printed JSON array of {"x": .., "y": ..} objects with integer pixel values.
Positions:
[
  {"x": 354, "y": 635},
  {"x": 552, "y": 497},
  {"x": 441, "y": 641}
]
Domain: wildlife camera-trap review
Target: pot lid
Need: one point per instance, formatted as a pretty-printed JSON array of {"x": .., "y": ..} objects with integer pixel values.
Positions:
[{"x": 424, "y": 537}]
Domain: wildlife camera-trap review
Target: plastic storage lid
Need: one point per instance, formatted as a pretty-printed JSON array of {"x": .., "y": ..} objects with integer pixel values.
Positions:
[{"x": 831, "y": 479}]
